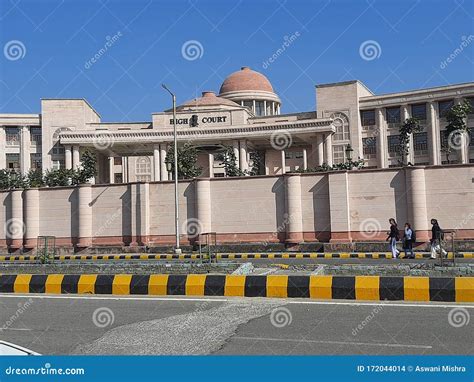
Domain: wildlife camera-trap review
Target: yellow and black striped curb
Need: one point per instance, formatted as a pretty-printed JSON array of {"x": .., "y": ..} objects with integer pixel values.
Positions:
[
  {"x": 408, "y": 288},
  {"x": 231, "y": 256}
]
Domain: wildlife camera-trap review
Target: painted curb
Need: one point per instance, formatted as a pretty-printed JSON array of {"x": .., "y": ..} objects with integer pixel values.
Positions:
[
  {"x": 222, "y": 256},
  {"x": 378, "y": 288}
]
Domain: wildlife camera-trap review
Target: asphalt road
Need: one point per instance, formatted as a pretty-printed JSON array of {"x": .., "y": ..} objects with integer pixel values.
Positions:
[{"x": 147, "y": 325}]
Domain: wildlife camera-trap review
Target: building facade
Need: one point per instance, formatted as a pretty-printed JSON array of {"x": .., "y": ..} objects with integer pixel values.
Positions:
[{"x": 244, "y": 115}]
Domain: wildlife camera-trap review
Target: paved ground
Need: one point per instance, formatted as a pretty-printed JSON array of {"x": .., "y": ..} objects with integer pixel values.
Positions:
[{"x": 111, "y": 325}]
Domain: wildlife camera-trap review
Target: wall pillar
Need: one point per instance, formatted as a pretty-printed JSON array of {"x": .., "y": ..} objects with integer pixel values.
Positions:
[
  {"x": 139, "y": 207},
  {"x": 156, "y": 164},
  {"x": 339, "y": 207},
  {"x": 25, "y": 148},
  {"x": 434, "y": 144},
  {"x": 294, "y": 212},
  {"x": 235, "y": 148},
  {"x": 76, "y": 157},
  {"x": 203, "y": 205},
  {"x": 320, "y": 149},
  {"x": 163, "y": 170},
  {"x": 14, "y": 227},
  {"x": 32, "y": 218},
  {"x": 416, "y": 202},
  {"x": 68, "y": 156},
  {"x": 328, "y": 149},
  {"x": 111, "y": 170},
  {"x": 243, "y": 156},
  {"x": 84, "y": 215},
  {"x": 381, "y": 139},
  {"x": 3, "y": 155},
  {"x": 283, "y": 161},
  {"x": 305, "y": 160}
]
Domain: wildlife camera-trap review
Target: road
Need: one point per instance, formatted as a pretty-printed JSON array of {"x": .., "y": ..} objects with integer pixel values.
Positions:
[{"x": 152, "y": 325}]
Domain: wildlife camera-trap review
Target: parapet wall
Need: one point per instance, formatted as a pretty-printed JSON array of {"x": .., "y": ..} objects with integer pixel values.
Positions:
[{"x": 333, "y": 207}]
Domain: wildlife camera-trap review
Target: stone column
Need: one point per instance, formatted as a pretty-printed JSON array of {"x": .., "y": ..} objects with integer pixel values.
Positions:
[
  {"x": 328, "y": 149},
  {"x": 203, "y": 205},
  {"x": 125, "y": 169},
  {"x": 339, "y": 207},
  {"x": 235, "y": 147},
  {"x": 76, "y": 157},
  {"x": 210, "y": 157},
  {"x": 305, "y": 160},
  {"x": 243, "y": 156},
  {"x": 417, "y": 211},
  {"x": 294, "y": 218},
  {"x": 3, "y": 155},
  {"x": 320, "y": 149},
  {"x": 68, "y": 156},
  {"x": 111, "y": 170},
  {"x": 463, "y": 148},
  {"x": 163, "y": 170},
  {"x": 283, "y": 162},
  {"x": 25, "y": 150},
  {"x": 434, "y": 144},
  {"x": 15, "y": 228},
  {"x": 382, "y": 154},
  {"x": 254, "y": 107},
  {"x": 405, "y": 114},
  {"x": 264, "y": 107},
  {"x": 32, "y": 218},
  {"x": 84, "y": 215},
  {"x": 156, "y": 164}
]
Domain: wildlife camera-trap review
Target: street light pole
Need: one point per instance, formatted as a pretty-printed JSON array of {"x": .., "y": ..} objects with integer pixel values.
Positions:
[{"x": 177, "y": 249}]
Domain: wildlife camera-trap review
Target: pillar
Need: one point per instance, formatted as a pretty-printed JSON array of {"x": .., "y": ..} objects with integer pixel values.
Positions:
[
  {"x": 305, "y": 160},
  {"x": 68, "y": 156},
  {"x": 203, "y": 205},
  {"x": 125, "y": 169},
  {"x": 463, "y": 148},
  {"x": 264, "y": 107},
  {"x": 381, "y": 139},
  {"x": 3, "y": 155},
  {"x": 243, "y": 156},
  {"x": 14, "y": 227},
  {"x": 156, "y": 164},
  {"x": 163, "y": 169},
  {"x": 434, "y": 144},
  {"x": 283, "y": 161},
  {"x": 339, "y": 207},
  {"x": 210, "y": 157},
  {"x": 294, "y": 212},
  {"x": 328, "y": 148},
  {"x": 405, "y": 114},
  {"x": 25, "y": 149},
  {"x": 320, "y": 149},
  {"x": 84, "y": 216},
  {"x": 111, "y": 170},
  {"x": 32, "y": 222},
  {"x": 254, "y": 107},
  {"x": 76, "y": 157},
  {"x": 235, "y": 147},
  {"x": 417, "y": 211}
]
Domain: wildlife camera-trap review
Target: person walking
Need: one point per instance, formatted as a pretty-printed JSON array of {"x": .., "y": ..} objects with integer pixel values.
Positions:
[
  {"x": 436, "y": 237},
  {"x": 393, "y": 236},
  {"x": 408, "y": 240}
]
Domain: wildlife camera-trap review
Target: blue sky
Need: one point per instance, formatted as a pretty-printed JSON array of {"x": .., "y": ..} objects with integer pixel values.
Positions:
[{"x": 47, "y": 46}]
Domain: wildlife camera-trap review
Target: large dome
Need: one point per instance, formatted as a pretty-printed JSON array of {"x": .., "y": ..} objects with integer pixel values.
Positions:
[{"x": 246, "y": 79}]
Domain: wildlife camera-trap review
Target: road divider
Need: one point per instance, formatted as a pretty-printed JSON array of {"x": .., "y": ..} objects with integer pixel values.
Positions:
[{"x": 378, "y": 288}]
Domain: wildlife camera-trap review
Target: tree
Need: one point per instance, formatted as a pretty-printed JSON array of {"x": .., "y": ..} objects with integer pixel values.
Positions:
[
  {"x": 409, "y": 127},
  {"x": 229, "y": 161},
  {"x": 34, "y": 178},
  {"x": 88, "y": 169},
  {"x": 187, "y": 159},
  {"x": 456, "y": 127},
  {"x": 257, "y": 160}
]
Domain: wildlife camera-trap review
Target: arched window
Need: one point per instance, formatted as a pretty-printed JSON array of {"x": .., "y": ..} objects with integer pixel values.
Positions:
[
  {"x": 143, "y": 169},
  {"x": 341, "y": 123}
]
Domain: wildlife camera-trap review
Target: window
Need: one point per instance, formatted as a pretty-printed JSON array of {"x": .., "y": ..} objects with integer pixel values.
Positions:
[
  {"x": 118, "y": 162},
  {"x": 471, "y": 101},
  {"x": 369, "y": 147},
  {"x": 392, "y": 115},
  {"x": 338, "y": 154},
  {"x": 118, "y": 178},
  {"x": 367, "y": 117},
  {"x": 35, "y": 136},
  {"x": 259, "y": 108},
  {"x": 443, "y": 139},
  {"x": 298, "y": 154},
  {"x": 13, "y": 161},
  {"x": 293, "y": 154},
  {"x": 420, "y": 143},
  {"x": 419, "y": 111},
  {"x": 341, "y": 123},
  {"x": 143, "y": 169},
  {"x": 248, "y": 104},
  {"x": 393, "y": 142},
  {"x": 471, "y": 139},
  {"x": 58, "y": 149},
  {"x": 444, "y": 107},
  {"x": 12, "y": 136},
  {"x": 58, "y": 164},
  {"x": 36, "y": 162}
]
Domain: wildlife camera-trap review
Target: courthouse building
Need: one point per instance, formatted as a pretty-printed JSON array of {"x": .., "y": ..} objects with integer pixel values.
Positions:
[{"x": 246, "y": 115}]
